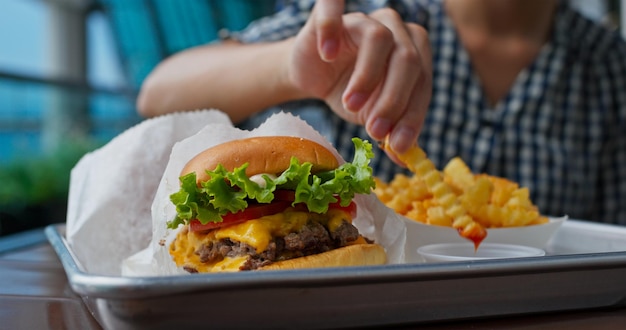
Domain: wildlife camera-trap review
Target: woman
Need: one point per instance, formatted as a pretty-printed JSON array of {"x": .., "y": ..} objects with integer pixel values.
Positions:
[{"x": 528, "y": 90}]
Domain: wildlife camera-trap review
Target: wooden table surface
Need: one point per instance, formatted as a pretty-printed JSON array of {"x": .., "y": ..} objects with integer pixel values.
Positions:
[{"x": 35, "y": 294}]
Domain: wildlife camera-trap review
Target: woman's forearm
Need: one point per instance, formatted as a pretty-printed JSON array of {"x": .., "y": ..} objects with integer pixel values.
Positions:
[{"x": 235, "y": 78}]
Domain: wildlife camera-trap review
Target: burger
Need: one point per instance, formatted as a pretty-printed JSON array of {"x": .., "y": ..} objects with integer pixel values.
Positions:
[{"x": 274, "y": 202}]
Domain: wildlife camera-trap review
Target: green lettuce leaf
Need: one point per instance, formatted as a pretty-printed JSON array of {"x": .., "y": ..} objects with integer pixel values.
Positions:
[{"x": 229, "y": 192}]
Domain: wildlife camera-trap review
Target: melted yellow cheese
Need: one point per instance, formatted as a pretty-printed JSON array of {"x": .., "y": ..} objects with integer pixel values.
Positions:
[
  {"x": 229, "y": 265},
  {"x": 335, "y": 218},
  {"x": 183, "y": 252},
  {"x": 257, "y": 233},
  {"x": 183, "y": 249}
]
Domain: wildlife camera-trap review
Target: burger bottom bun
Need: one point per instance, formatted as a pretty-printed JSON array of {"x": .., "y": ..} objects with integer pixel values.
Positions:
[{"x": 351, "y": 255}]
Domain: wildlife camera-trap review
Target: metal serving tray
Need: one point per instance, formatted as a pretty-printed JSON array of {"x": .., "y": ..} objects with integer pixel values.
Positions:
[{"x": 585, "y": 268}]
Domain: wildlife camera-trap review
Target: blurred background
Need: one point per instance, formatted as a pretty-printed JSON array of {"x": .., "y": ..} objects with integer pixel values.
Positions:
[
  {"x": 70, "y": 71},
  {"x": 69, "y": 74}
]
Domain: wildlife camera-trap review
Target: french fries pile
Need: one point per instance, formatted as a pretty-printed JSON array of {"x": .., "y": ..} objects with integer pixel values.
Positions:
[{"x": 488, "y": 201}]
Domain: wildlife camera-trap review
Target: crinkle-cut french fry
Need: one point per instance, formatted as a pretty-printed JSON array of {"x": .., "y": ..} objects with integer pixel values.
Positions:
[
  {"x": 413, "y": 215},
  {"x": 459, "y": 176},
  {"x": 520, "y": 198},
  {"x": 400, "y": 181},
  {"x": 401, "y": 203},
  {"x": 502, "y": 189},
  {"x": 539, "y": 221},
  {"x": 417, "y": 162},
  {"x": 419, "y": 210},
  {"x": 494, "y": 216},
  {"x": 518, "y": 217},
  {"x": 401, "y": 192},
  {"x": 437, "y": 216},
  {"x": 418, "y": 214},
  {"x": 383, "y": 191},
  {"x": 476, "y": 201},
  {"x": 479, "y": 193}
]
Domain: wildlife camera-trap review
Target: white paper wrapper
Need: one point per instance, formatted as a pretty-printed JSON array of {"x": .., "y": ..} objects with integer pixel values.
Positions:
[
  {"x": 374, "y": 220},
  {"x": 112, "y": 189}
]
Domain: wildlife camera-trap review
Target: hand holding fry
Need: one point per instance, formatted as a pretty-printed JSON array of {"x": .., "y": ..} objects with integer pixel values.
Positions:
[{"x": 372, "y": 69}]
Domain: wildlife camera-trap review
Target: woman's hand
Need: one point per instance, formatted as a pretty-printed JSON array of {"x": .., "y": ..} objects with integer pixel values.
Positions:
[{"x": 373, "y": 70}]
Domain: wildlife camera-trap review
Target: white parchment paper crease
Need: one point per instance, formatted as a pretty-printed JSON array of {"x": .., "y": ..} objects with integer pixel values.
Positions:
[{"x": 112, "y": 189}]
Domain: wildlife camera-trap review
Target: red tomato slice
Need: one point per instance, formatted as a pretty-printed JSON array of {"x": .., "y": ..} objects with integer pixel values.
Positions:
[
  {"x": 283, "y": 200},
  {"x": 252, "y": 212},
  {"x": 350, "y": 209}
]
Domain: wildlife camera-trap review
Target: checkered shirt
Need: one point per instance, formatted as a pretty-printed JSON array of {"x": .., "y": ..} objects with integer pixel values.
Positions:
[{"x": 560, "y": 131}]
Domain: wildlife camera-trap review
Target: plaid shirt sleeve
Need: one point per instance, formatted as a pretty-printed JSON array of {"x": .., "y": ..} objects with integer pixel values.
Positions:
[{"x": 611, "y": 199}]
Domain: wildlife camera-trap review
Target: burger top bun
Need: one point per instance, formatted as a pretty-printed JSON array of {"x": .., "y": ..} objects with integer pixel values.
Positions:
[{"x": 265, "y": 154}]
